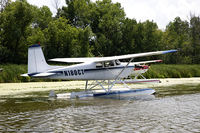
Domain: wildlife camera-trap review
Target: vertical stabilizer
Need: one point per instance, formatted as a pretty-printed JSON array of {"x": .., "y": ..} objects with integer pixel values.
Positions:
[{"x": 36, "y": 60}]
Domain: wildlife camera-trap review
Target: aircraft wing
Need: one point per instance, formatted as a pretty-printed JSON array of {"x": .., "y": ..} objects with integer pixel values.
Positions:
[
  {"x": 76, "y": 60},
  {"x": 146, "y": 62},
  {"x": 100, "y": 59}
]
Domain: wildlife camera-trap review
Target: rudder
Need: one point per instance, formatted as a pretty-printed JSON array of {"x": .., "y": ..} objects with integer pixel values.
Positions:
[{"x": 36, "y": 60}]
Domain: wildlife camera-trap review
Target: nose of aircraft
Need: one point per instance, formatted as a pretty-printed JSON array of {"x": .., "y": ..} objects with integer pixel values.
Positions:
[{"x": 141, "y": 67}]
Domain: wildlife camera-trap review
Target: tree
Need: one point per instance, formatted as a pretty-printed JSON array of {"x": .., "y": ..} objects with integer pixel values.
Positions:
[
  {"x": 128, "y": 29},
  {"x": 195, "y": 38},
  {"x": 64, "y": 40},
  {"x": 78, "y": 12},
  {"x": 42, "y": 17},
  {"x": 147, "y": 37},
  {"x": 86, "y": 28},
  {"x": 106, "y": 22},
  {"x": 14, "y": 20},
  {"x": 176, "y": 36},
  {"x": 36, "y": 36},
  {"x": 103, "y": 17}
]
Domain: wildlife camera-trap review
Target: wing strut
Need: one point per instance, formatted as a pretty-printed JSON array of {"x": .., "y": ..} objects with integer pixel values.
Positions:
[
  {"x": 123, "y": 68},
  {"x": 86, "y": 85},
  {"x": 113, "y": 83}
]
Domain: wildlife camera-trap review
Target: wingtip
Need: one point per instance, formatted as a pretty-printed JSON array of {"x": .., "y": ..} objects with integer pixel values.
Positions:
[
  {"x": 170, "y": 51},
  {"x": 159, "y": 60}
]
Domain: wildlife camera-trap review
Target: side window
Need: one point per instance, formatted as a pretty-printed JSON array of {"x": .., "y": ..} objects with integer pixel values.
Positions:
[
  {"x": 99, "y": 65},
  {"x": 109, "y": 63},
  {"x": 112, "y": 63},
  {"x": 106, "y": 64}
]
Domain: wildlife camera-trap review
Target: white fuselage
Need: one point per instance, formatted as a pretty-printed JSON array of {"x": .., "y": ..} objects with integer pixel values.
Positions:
[{"x": 89, "y": 71}]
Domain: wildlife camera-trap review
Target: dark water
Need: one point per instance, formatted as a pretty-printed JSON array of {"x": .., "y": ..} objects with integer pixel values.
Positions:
[{"x": 173, "y": 109}]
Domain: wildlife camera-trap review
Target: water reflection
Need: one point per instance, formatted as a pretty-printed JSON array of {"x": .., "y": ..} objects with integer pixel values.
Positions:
[{"x": 170, "y": 110}]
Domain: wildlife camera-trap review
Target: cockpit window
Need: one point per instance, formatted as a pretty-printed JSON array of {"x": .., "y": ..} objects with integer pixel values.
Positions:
[{"x": 105, "y": 64}]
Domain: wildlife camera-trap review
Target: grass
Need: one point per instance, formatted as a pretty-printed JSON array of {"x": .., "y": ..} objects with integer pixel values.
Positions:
[
  {"x": 11, "y": 72},
  {"x": 173, "y": 71}
]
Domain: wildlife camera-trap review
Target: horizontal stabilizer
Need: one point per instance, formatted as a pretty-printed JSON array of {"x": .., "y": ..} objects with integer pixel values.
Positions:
[
  {"x": 43, "y": 75},
  {"x": 24, "y": 75}
]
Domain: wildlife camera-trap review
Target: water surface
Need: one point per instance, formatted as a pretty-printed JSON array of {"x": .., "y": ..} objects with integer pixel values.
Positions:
[{"x": 172, "y": 109}]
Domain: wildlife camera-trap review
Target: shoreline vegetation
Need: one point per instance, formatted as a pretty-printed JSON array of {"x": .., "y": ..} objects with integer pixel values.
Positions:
[
  {"x": 11, "y": 72},
  {"x": 86, "y": 28}
]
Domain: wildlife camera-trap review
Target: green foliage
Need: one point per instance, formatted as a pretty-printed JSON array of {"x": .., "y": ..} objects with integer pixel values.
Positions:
[
  {"x": 86, "y": 28},
  {"x": 173, "y": 71},
  {"x": 128, "y": 37},
  {"x": 42, "y": 17},
  {"x": 12, "y": 72},
  {"x": 14, "y": 20},
  {"x": 65, "y": 40},
  {"x": 195, "y": 38},
  {"x": 106, "y": 24},
  {"x": 78, "y": 12},
  {"x": 35, "y": 35},
  {"x": 177, "y": 36},
  {"x": 3, "y": 53}
]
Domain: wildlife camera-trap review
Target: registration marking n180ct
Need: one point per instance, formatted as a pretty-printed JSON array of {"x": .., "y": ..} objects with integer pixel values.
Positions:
[{"x": 75, "y": 72}]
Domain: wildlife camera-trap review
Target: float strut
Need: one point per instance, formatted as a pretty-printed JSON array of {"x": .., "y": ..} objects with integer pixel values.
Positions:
[{"x": 86, "y": 84}]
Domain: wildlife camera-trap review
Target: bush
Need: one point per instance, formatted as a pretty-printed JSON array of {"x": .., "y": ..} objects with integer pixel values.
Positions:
[
  {"x": 173, "y": 71},
  {"x": 12, "y": 72}
]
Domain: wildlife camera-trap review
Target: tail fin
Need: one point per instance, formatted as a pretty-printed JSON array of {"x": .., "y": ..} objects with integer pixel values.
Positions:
[{"x": 36, "y": 60}]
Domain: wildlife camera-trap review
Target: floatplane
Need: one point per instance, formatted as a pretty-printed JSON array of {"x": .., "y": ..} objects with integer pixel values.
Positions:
[{"x": 103, "y": 71}]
